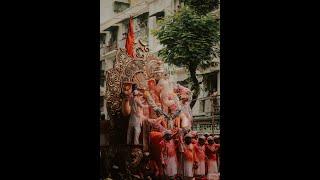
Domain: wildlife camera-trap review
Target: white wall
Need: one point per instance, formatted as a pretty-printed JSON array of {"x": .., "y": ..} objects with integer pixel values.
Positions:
[{"x": 106, "y": 10}]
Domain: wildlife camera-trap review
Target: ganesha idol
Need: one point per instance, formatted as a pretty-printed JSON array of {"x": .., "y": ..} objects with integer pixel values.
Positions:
[
  {"x": 173, "y": 106},
  {"x": 158, "y": 101}
]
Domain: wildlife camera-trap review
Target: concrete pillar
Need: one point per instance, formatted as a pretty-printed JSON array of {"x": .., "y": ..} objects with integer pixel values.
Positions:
[
  {"x": 152, "y": 24},
  {"x": 121, "y": 29}
]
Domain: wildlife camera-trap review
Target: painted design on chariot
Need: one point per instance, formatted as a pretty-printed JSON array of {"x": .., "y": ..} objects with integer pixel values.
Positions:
[{"x": 137, "y": 70}]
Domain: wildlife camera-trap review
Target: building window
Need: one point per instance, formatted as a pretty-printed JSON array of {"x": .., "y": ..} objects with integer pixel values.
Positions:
[
  {"x": 202, "y": 105},
  {"x": 103, "y": 38},
  {"x": 102, "y": 73},
  {"x": 159, "y": 15},
  {"x": 102, "y": 79},
  {"x": 141, "y": 27},
  {"x": 111, "y": 38},
  {"x": 101, "y": 101},
  {"x": 211, "y": 81},
  {"x": 102, "y": 65},
  {"x": 113, "y": 34},
  {"x": 119, "y": 6}
]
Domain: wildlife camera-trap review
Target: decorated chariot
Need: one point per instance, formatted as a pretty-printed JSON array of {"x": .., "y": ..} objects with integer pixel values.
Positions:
[{"x": 145, "y": 107}]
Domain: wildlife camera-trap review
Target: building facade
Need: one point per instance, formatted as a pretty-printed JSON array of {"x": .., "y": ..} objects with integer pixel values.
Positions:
[{"x": 114, "y": 19}]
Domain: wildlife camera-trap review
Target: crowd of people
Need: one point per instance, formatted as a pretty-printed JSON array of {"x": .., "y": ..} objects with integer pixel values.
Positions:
[{"x": 195, "y": 156}]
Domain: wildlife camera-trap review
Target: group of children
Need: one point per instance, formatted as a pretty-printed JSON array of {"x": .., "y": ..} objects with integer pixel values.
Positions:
[{"x": 191, "y": 157}]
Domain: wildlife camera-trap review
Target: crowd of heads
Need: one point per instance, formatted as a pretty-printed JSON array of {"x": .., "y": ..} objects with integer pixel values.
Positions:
[{"x": 194, "y": 137}]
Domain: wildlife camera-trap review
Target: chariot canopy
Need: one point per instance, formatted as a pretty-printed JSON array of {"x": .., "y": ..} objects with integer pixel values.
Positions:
[{"x": 137, "y": 70}]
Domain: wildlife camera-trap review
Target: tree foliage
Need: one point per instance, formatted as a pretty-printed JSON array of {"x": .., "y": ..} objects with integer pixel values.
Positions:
[
  {"x": 189, "y": 40},
  {"x": 202, "y": 7}
]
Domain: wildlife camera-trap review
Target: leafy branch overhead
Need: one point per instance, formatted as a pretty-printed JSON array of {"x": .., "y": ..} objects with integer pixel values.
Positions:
[{"x": 190, "y": 38}]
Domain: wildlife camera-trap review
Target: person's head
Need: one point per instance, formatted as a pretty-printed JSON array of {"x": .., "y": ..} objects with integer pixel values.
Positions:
[
  {"x": 195, "y": 137},
  {"x": 210, "y": 140},
  {"x": 134, "y": 87},
  {"x": 187, "y": 138},
  {"x": 167, "y": 135},
  {"x": 216, "y": 139},
  {"x": 194, "y": 134},
  {"x": 202, "y": 140},
  {"x": 206, "y": 135}
]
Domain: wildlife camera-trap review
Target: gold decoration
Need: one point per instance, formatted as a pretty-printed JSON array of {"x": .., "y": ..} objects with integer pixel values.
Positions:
[{"x": 137, "y": 70}]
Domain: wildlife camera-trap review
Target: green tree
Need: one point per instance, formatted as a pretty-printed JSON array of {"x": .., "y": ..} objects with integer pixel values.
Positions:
[
  {"x": 202, "y": 7},
  {"x": 189, "y": 39}
]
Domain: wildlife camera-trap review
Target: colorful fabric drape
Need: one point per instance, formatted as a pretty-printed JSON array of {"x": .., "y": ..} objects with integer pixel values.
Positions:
[{"x": 130, "y": 39}]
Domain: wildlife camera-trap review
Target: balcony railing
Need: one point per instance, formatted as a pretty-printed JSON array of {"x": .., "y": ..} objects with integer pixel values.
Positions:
[
  {"x": 104, "y": 49},
  {"x": 211, "y": 104},
  {"x": 209, "y": 119},
  {"x": 111, "y": 47}
]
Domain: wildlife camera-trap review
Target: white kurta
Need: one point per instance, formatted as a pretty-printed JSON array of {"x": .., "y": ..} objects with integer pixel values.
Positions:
[
  {"x": 200, "y": 151},
  {"x": 169, "y": 156},
  {"x": 212, "y": 166},
  {"x": 188, "y": 160},
  {"x": 212, "y": 159},
  {"x": 213, "y": 170},
  {"x": 213, "y": 176},
  {"x": 201, "y": 170},
  {"x": 188, "y": 169},
  {"x": 171, "y": 168}
]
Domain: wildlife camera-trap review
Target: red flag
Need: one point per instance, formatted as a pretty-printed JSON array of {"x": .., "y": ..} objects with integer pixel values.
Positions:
[{"x": 130, "y": 39}]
